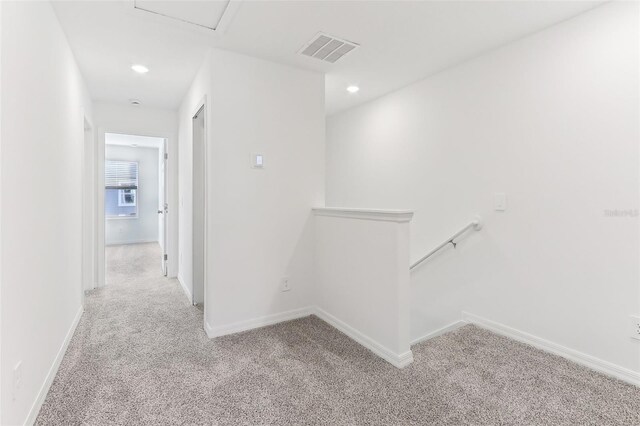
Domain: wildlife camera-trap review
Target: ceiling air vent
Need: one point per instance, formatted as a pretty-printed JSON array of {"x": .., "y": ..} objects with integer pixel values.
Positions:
[{"x": 327, "y": 48}]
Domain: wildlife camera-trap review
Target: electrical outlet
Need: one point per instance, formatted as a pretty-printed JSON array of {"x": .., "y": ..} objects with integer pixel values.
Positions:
[
  {"x": 634, "y": 326},
  {"x": 500, "y": 201},
  {"x": 17, "y": 379},
  {"x": 284, "y": 285}
]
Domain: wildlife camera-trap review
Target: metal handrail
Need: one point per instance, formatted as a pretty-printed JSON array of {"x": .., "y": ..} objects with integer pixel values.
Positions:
[{"x": 476, "y": 224}]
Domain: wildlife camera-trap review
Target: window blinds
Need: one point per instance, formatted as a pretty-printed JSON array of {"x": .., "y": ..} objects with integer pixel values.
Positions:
[{"x": 121, "y": 175}]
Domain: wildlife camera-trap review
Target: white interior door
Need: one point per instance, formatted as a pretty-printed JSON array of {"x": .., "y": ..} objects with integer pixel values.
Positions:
[{"x": 163, "y": 205}]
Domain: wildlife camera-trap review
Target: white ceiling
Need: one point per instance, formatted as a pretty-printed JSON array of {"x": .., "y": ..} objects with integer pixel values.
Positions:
[{"x": 401, "y": 42}]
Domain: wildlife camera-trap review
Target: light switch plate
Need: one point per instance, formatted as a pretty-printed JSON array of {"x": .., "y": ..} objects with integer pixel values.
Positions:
[
  {"x": 500, "y": 201},
  {"x": 257, "y": 161}
]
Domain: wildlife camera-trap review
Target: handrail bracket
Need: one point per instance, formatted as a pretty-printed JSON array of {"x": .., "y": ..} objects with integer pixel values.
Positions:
[{"x": 475, "y": 224}]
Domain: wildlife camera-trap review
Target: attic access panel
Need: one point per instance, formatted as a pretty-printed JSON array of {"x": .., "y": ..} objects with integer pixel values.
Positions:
[{"x": 210, "y": 15}]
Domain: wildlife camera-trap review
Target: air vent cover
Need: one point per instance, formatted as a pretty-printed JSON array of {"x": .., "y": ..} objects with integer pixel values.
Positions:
[{"x": 327, "y": 48}]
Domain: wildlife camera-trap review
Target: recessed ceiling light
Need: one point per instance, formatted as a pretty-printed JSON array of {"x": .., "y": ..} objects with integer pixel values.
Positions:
[
  {"x": 353, "y": 89},
  {"x": 141, "y": 69}
]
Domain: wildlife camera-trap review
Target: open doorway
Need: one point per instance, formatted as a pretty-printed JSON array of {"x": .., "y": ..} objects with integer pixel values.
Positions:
[
  {"x": 89, "y": 210},
  {"x": 135, "y": 207},
  {"x": 199, "y": 207}
]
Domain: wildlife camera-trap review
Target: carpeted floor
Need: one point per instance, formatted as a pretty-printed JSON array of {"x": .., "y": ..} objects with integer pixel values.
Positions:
[{"x": 141, "y": 357}]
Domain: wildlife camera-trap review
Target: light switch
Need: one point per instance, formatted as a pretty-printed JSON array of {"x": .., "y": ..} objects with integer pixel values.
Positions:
[
  {"x": 500, "y": 201},
  {"x": 257, "y": 161}
]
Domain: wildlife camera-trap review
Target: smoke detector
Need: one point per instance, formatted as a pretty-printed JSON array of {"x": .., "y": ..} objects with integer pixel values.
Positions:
[
  {"x": 327, "y": 48},
  {"x": 135, "y": 102}
]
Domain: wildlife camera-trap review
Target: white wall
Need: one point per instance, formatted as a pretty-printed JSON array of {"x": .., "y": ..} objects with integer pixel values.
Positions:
[
  {"x": 144, "y": 228},
  {"x": 44, "y": 99},
  {"x": 141, "y": 121},
  {"x": 551, "y": 120},
  {"x": 259, "y": 221},
  {"x": 362, "y": 278}
]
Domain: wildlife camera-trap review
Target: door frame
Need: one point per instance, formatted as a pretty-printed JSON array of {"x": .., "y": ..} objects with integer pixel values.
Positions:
[
  {"x": 164, "y": 207},
  {"x": 169, "y": 182},
  {"x": 202, "y": 105},
  {"x": 89, "y": 208}
]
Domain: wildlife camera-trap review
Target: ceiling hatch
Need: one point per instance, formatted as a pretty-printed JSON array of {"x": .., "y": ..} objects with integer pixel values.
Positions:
[
  {"x": 327, "y": 48},
  {"x": 209, "y": 15}
]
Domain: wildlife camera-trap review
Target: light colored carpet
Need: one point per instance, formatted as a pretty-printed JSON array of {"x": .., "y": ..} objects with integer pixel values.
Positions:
[{"x": 140, "y": 357}]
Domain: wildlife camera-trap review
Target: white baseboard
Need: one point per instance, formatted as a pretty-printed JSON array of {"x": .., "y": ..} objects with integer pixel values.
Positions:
[
  {"x": 397, "y": 360},
  {"x": 589, "y": 361},
  {"x": 447, "y": 328},
  {"x": 209, "y": 330},
  {"x": 44, "y": 389},
  {"x": 127, "y": 242},
  {"x": 237, "y": 327},
  {"x": 184, "y": 288}
]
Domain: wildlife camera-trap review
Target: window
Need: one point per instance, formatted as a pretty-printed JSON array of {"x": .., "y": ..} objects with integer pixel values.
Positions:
[{"x": 121, "y": 189}]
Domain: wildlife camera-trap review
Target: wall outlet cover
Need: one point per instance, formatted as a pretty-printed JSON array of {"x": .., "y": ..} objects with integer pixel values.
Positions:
[
  {"x": 500, "y": 201},
  {"x": 634, "y": 326},
  {"x": 285, "y": 285}
]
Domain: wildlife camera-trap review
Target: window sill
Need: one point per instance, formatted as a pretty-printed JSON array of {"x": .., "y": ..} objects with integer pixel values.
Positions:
[{"x": 120, "y": 217}]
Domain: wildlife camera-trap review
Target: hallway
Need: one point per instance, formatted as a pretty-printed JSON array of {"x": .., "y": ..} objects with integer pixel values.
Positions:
[
  {"x": 140, "y": 356},
  {"x": 127, "y": 261},
  {"x": 388, "y": 213}
]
